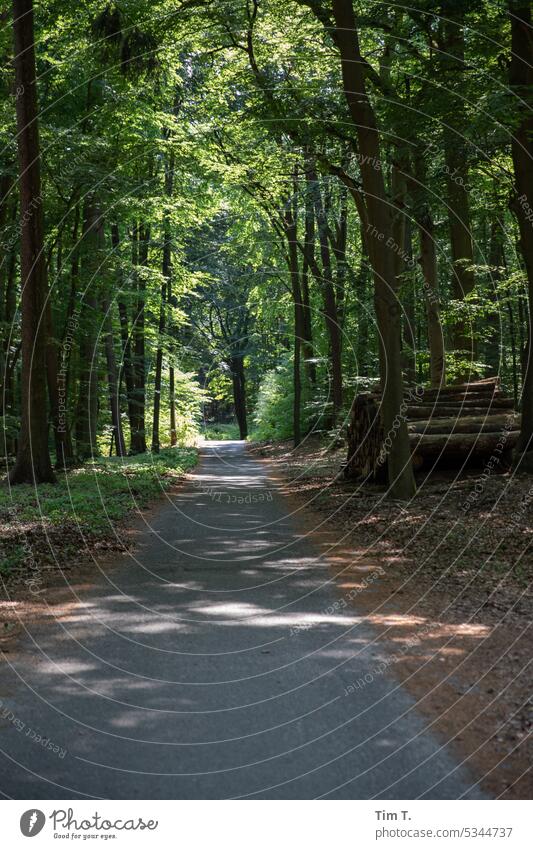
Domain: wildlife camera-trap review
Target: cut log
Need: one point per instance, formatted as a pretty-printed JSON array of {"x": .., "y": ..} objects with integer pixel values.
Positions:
[
  {"x": 468, "y": 424},
  {"x": 489, "y": 384},
  {"x": 462, "y": 446},
  {"x": 459, "y": 397},
  {"x": 458, "y": 429},
  {"x": 500, "y": 403},
  {"x": 433, "y": 411}
]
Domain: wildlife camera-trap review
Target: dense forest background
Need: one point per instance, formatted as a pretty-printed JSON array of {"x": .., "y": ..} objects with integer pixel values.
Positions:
[{"x": 258, "y": 210}]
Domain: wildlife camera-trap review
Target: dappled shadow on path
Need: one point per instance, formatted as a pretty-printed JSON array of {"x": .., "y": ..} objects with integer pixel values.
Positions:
[{"x": 223, "y": 659}]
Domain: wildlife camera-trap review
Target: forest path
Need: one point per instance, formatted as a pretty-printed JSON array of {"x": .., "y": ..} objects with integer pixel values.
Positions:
[{"x": 214, "y": 663}]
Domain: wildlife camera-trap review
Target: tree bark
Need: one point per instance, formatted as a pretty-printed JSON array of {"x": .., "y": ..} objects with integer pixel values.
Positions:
[
  {"x": 141, "y": 237},
  {"x": 328, "y": 292},
  {"x": 428, "y": 264},
  {"x": 33, "y": 463},
  {"x": 64, "y": 354},
  {"x": 381, "y": 249},
  {"x": 409, "y": 317},
  {"x": 165, "y": 291},
  {"x": 521, "y": 82},
  {"x": 291, "y": 236},
  {"x": 457, "y": 170},
  {"x": 8, "y": 306},
  {"x": 239, "y": 394},
  {"x": 126, "y": 370},
  {"x": 87, "y": 406},
  {"x": 309, "y": 249},
  {"x": 63, "y": 445},
  {"x": 113, "y": 382}
]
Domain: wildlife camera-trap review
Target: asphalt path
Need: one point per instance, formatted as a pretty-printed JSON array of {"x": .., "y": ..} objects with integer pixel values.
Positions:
[{"x": 216, "y": 662}]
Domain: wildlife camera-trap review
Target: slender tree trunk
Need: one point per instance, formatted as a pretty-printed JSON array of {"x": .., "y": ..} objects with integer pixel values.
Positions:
[
  {"x": 309, "y": 251},
  {"x": 10, "y": 358},
  {"x": 521, "y": 82},
  {"x": 141, "y": 237},
  {"x": 239, "y": 394},
  {"x": 63, "y": 447},
  {"x": 381, "y": 249},
  {"x": 522, "y": 324},
  {"x": 457, "y": 171},
  {"x": 8, "y": 304},
  {"x": 32, "y": 464},
  {"x": 64, "y": 354},
  {"x": 113, "y": 382},
  {"x": 362, "y": 284},
  {"x": 158, "y": 375},
  {"x": 428, "y": 264},
  {"x": 496, "y": 256},
  {"x": 55, "y": 381},
  {"x": 409, "y": 318},
  {"x": 328, "y": 291},
  {"x": 339, "y": 252},
  {"x": 294, "y": 273},
  {"x": 126, "y": 369},
  {"x": 87, "y": 406},
  {"x": 172, "y": 402},
  {"x": 514, "y": 358},
  {"x": 165, "y": 290},
  {"x": 6, "y": 185}
]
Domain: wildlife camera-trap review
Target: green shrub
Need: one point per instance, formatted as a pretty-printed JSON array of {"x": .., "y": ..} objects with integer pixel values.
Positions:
[
  {"x": 273, "y": 415},
  {"x": 90, "y": 500},
  {"x": 220, "y": 431}
]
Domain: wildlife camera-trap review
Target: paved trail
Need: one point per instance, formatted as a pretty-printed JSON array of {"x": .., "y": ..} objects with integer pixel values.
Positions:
[{"x": 212, "y": 666}]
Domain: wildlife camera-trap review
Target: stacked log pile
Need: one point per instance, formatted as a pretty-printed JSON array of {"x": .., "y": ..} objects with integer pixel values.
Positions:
[{"x": 454, "y": 427}]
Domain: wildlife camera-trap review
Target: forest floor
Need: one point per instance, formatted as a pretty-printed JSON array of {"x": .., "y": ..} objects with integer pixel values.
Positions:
[
  {"x": 454, "y": 599},
  {"x": 43, "y": 533}
]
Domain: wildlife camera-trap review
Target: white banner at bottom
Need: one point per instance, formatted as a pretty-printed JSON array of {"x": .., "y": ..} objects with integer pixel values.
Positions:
[{"x": 267, "y": 824}]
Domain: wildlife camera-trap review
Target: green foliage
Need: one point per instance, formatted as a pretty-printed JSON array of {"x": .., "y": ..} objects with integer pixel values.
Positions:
[
  {"x": 220, "y": 432},
  {"x": 234, "y": 106},
  {"x": 273, "y": 414},
  {"x": 86, "y": 502}
]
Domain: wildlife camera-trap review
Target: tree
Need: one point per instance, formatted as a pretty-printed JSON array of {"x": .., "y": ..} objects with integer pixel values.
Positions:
[
  {"x": 521, "y": 82},
  {"x": 33, "y": 464},
  {"x": 381, "y": 244}
]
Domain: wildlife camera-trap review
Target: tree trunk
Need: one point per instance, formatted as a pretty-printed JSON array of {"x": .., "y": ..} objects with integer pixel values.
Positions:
[
  {"x": 126, "y": 367},
  {"x": 113, "y": 382},
  {"x": 141, "y": 236},
  {"x": 63, "y": 368},
  {"x": 63, "y": 445},
  {"x": 309, "y": 249},
  {"x": 165, "y": 292},
  {"x": 328, "y": 291},
  {"x": 521, "y": 82},
  {"x": 428, "y": 264},
  {"x": 6, "y": 185},
  {"x": 496, "y": 254},
  {"x": 409, "y": 318},
  {"x": 158, "y": 374},
  {"x": 294, "y": 273},
  {"x": 239, "y": 394},
  {"x": 87, "y": 406},
  {"x": 339, "y": 251},
  {"x": 381, "y": 249},
  {"x": 457, "y": 170},
  {"x": 8, "y": 306},
  {"x": 172, "y": 402},
  {"x": 32, "y": 464},
  {"x": 8, "y": 404}
]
